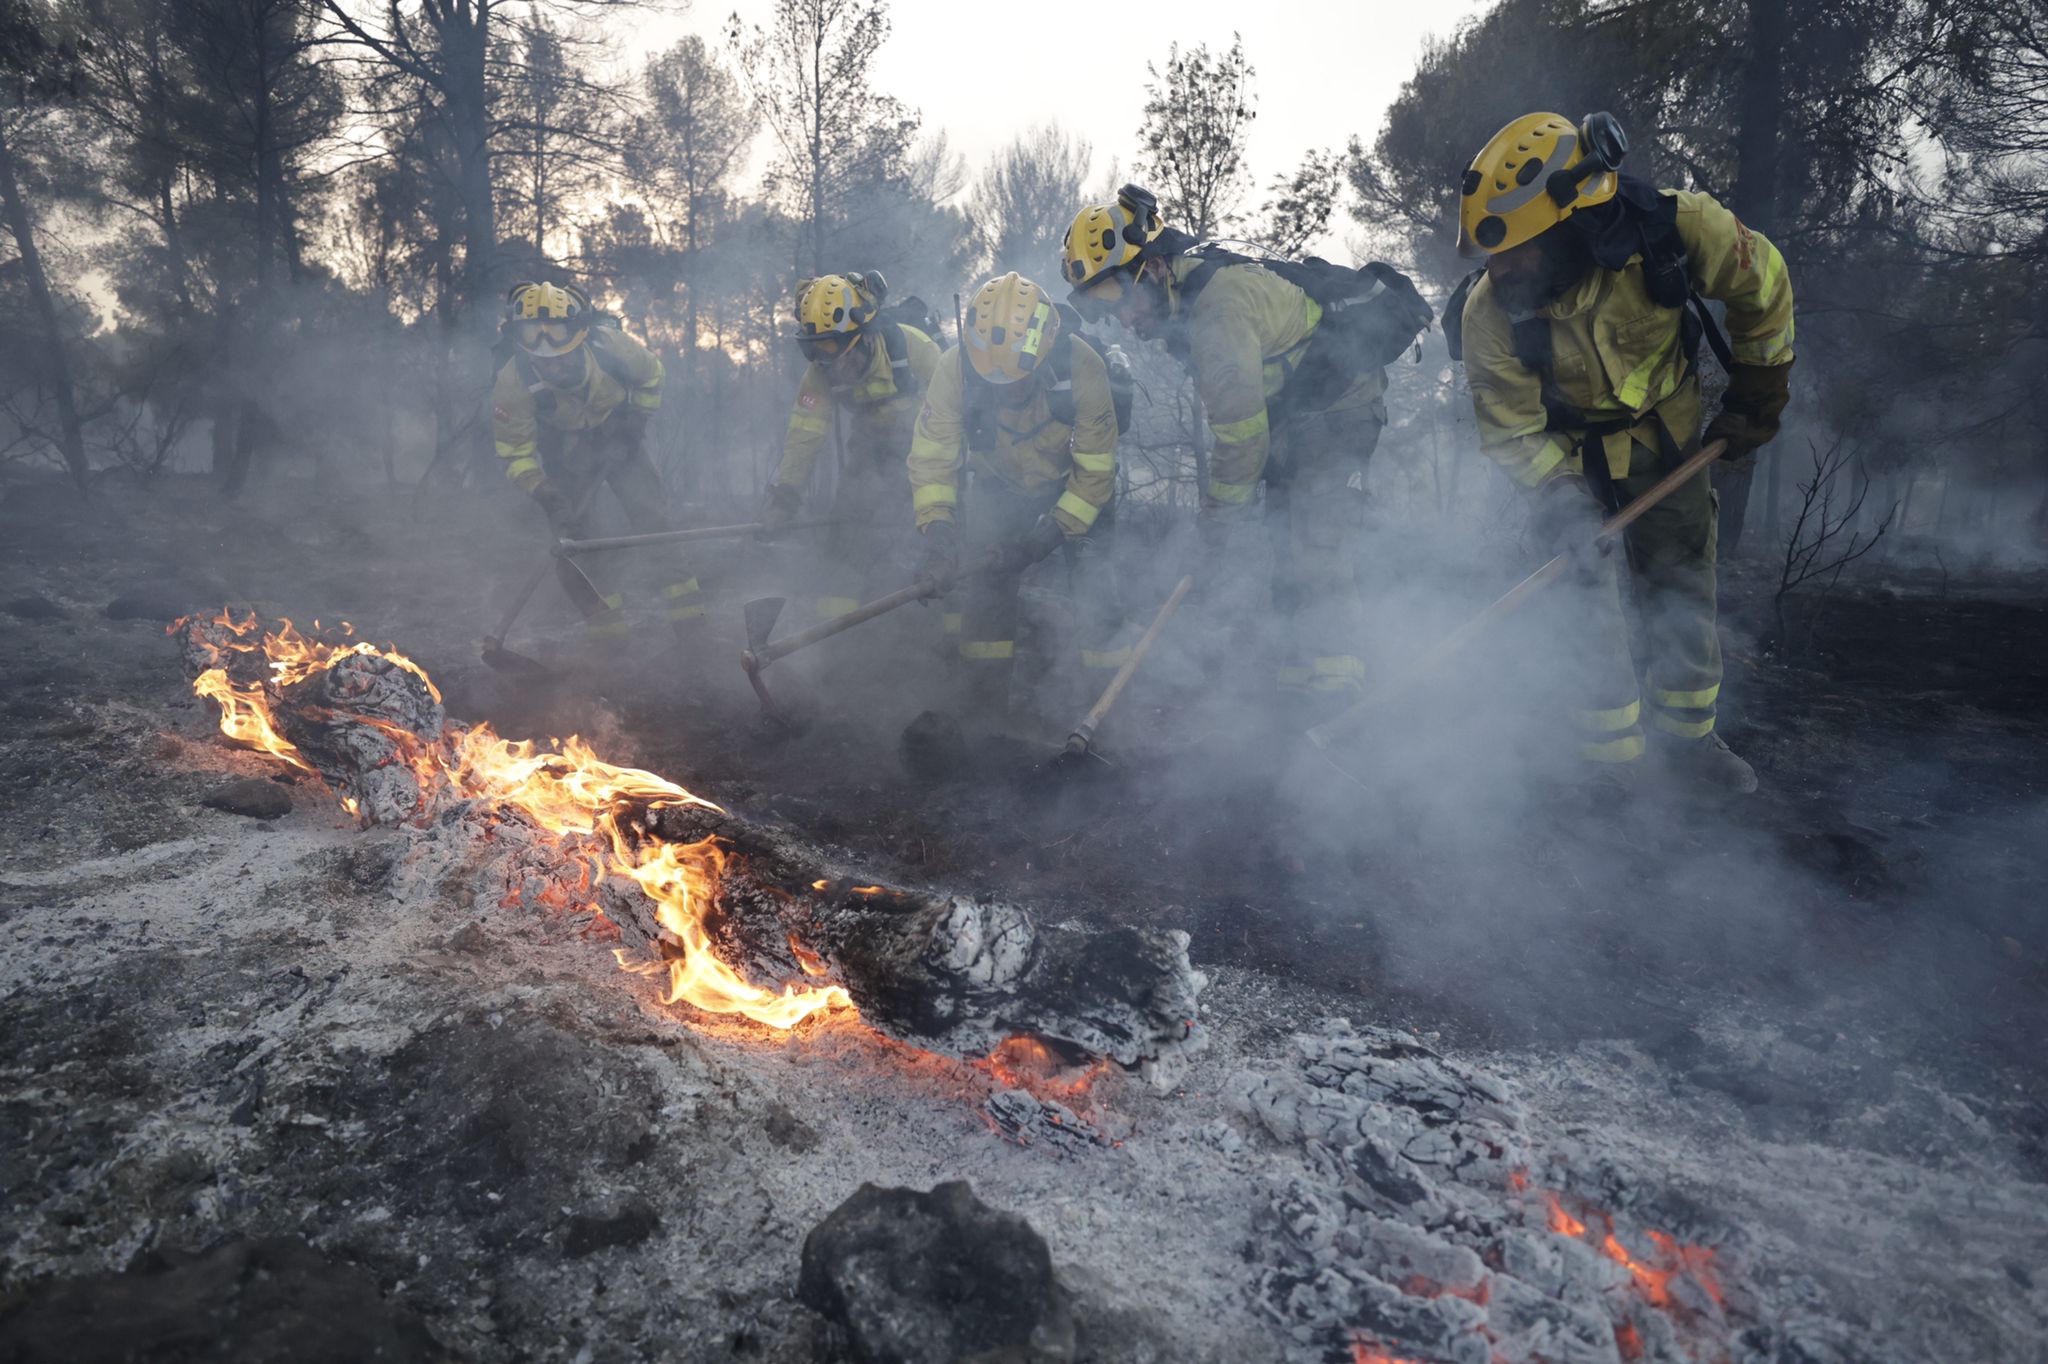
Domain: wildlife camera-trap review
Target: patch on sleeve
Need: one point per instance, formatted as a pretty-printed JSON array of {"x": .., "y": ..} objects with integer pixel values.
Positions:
[
  {"x": 498, "y": 411},
  {"x": 806, "y": 400},
  {"x": 1745, "y": 246}
]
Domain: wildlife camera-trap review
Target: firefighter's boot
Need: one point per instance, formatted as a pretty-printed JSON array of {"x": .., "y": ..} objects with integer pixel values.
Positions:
[{"x": 1707, "y": 764}]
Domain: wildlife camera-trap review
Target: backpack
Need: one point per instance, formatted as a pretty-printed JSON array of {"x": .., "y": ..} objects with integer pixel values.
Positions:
[
  {"x": 890, "y": 321},
  {"x": 980, "y": 401},
  {"x": 1645, "y": 224},
  {"x": 1370, "y": 315}
]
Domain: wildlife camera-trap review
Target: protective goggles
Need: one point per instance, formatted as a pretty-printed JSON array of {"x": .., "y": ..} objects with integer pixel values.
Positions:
[
  {"x": 542, "y": 336},
  {"x": 1101, "y": 298},
  {"x": 829, "y": 346}
]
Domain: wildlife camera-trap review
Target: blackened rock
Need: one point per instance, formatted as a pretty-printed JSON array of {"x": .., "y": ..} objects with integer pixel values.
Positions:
[
  {"x": 255, "y": 1302},
  {"x": 632, "y": 1222},
  {"x": 255, "y": 797},
  {"x": 34, "y": 608},
  {"x": 932, "y": 748},
  {"x": 936, "y": 1278}
]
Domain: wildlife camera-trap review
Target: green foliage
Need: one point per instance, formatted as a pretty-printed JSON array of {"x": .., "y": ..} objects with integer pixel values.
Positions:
[{"x": 1197, "y": 114}]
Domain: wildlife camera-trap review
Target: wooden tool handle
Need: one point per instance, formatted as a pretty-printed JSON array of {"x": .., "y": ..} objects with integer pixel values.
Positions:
[
  {"x": 860, "y": 615},
  {"x": 1084, "y": 733},
  {"x": 673, "y": 537},
  {"x": 1447, "y": 648}
]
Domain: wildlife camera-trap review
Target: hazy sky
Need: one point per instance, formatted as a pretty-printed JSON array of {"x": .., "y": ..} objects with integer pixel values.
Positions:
[{"x": 1323, "y": 72}]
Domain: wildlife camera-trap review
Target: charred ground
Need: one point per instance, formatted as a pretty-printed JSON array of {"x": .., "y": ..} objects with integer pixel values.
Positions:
[{"x": 1872, "y": 913}]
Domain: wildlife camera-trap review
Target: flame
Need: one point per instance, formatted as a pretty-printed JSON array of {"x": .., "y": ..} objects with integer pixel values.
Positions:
[
  {"x": 1628, "y": 1341},
  {"x": 566, "y": 790}
]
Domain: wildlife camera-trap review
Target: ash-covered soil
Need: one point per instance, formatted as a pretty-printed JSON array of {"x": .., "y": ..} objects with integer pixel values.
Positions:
[{"x": 249, "y": 1053}]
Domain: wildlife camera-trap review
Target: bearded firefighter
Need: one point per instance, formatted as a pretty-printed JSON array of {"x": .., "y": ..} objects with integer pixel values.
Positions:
[
  {"x": 570, "y": 411},
  {"x": 1580, "y": 340},
  {"x": 1289, "y": 409},
  {"x": 1027, "y": 409},
  {"x": 866, "y": 371}
]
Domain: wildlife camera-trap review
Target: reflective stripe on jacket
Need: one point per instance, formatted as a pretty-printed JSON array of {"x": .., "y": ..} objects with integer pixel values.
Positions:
[
  {"x": 879, "y": 412},
  {"x": 616, "y": 369},
  {"x": 1618, "y": 354},
  {"x": 1031, "y": 452},
  {"x": 1247, "y": 330}
]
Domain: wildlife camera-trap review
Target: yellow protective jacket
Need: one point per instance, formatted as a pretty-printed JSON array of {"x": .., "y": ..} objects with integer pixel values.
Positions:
[
  {"x": 616, "y": 369},
  {"x": 881, "y": 405},
  {"x": 1245, "y": 333},
  {"x": 1617, "y": 353},
  {"x": 1029, "y": 450}
]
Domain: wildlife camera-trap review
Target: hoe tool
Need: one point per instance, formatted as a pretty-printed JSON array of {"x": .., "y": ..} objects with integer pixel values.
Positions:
[
  {"x": 1349, "y": 721},
  {"x": 762, "y": 612},
  {"x": 1081, "y": 740},
  {"x": 584, "y": 592},
  {"x": 574, "y": 580}
]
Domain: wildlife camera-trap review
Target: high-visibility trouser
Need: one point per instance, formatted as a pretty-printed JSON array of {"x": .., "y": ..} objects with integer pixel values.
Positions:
[
  {"x": 1315, "y": 516},
  {"x": 868, "y": 552},
  {"x": 988, "y": 634},
  {"x": 1664, "y": 676},
  {"x": 573, "y": 460}
]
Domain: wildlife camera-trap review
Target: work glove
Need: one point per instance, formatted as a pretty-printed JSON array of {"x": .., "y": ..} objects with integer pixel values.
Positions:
[
  {"x": 631, "y": 423},
  {"x": 1749, "y": 413},
  {"x": 941, "y": 553},
  {"x": 1565, "y": 519},
  {"x": 553, "y": 500},
  {"x": 1020, "y": 552},
  {"x": 779, "y": 507}
]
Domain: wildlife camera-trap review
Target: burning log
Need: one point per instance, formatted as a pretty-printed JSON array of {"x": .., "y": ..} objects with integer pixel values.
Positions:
[
  {"x": 941, "y": 971},
  {"x": 722, "y": 903}
]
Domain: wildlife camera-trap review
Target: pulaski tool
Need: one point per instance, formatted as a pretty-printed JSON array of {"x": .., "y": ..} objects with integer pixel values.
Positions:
[{"x": 761, "y": 614}]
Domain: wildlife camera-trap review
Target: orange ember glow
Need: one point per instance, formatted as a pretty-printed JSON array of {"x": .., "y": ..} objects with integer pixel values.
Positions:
[
  {"x": 1024, "y": 1062},
  {"x": 566, "y": 790},
  {"x": 1562, "y": 1222},
  {"x": 1364, "y": 1351},
  {"x": 1653, "y": 1275}
]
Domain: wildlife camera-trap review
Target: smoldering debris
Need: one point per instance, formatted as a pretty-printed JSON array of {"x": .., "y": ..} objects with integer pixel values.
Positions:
[{"x": 684, "y": 881}]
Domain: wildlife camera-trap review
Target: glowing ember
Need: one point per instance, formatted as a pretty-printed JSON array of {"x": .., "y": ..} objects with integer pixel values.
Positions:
[
  {"x": 1653, "y": 1275},
  {"x": 566, "y": 790},
  {"x": 1562, "y": 1222},
  {"x": 1365, "y": 1351},
  {"x": 1028, "y": 1064}
]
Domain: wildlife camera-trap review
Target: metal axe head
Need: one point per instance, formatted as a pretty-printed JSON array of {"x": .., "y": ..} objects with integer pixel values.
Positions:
[
  {"x": 589, "y": 601},
  {"x": 762, "y": 613}
]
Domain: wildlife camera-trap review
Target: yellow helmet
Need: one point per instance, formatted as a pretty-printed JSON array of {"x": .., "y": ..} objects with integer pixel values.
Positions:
[
  {"x": 1106, "y": 240},
  {"x": 833, "y": 310},
  {"x": 1535, "y": 173},
  {"x": 1010, "y": 329},
  {"x": 547, "y": 319}
]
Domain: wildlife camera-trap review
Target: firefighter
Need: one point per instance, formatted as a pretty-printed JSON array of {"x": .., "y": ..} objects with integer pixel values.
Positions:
[
  {"x": 870, "y": 364},
  {"x": 570, "y": 409},
  {"x": 1031, "y": 414},
  {"x": 1579, "y": 341},
  {"x": 1304, "y": 430}
]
